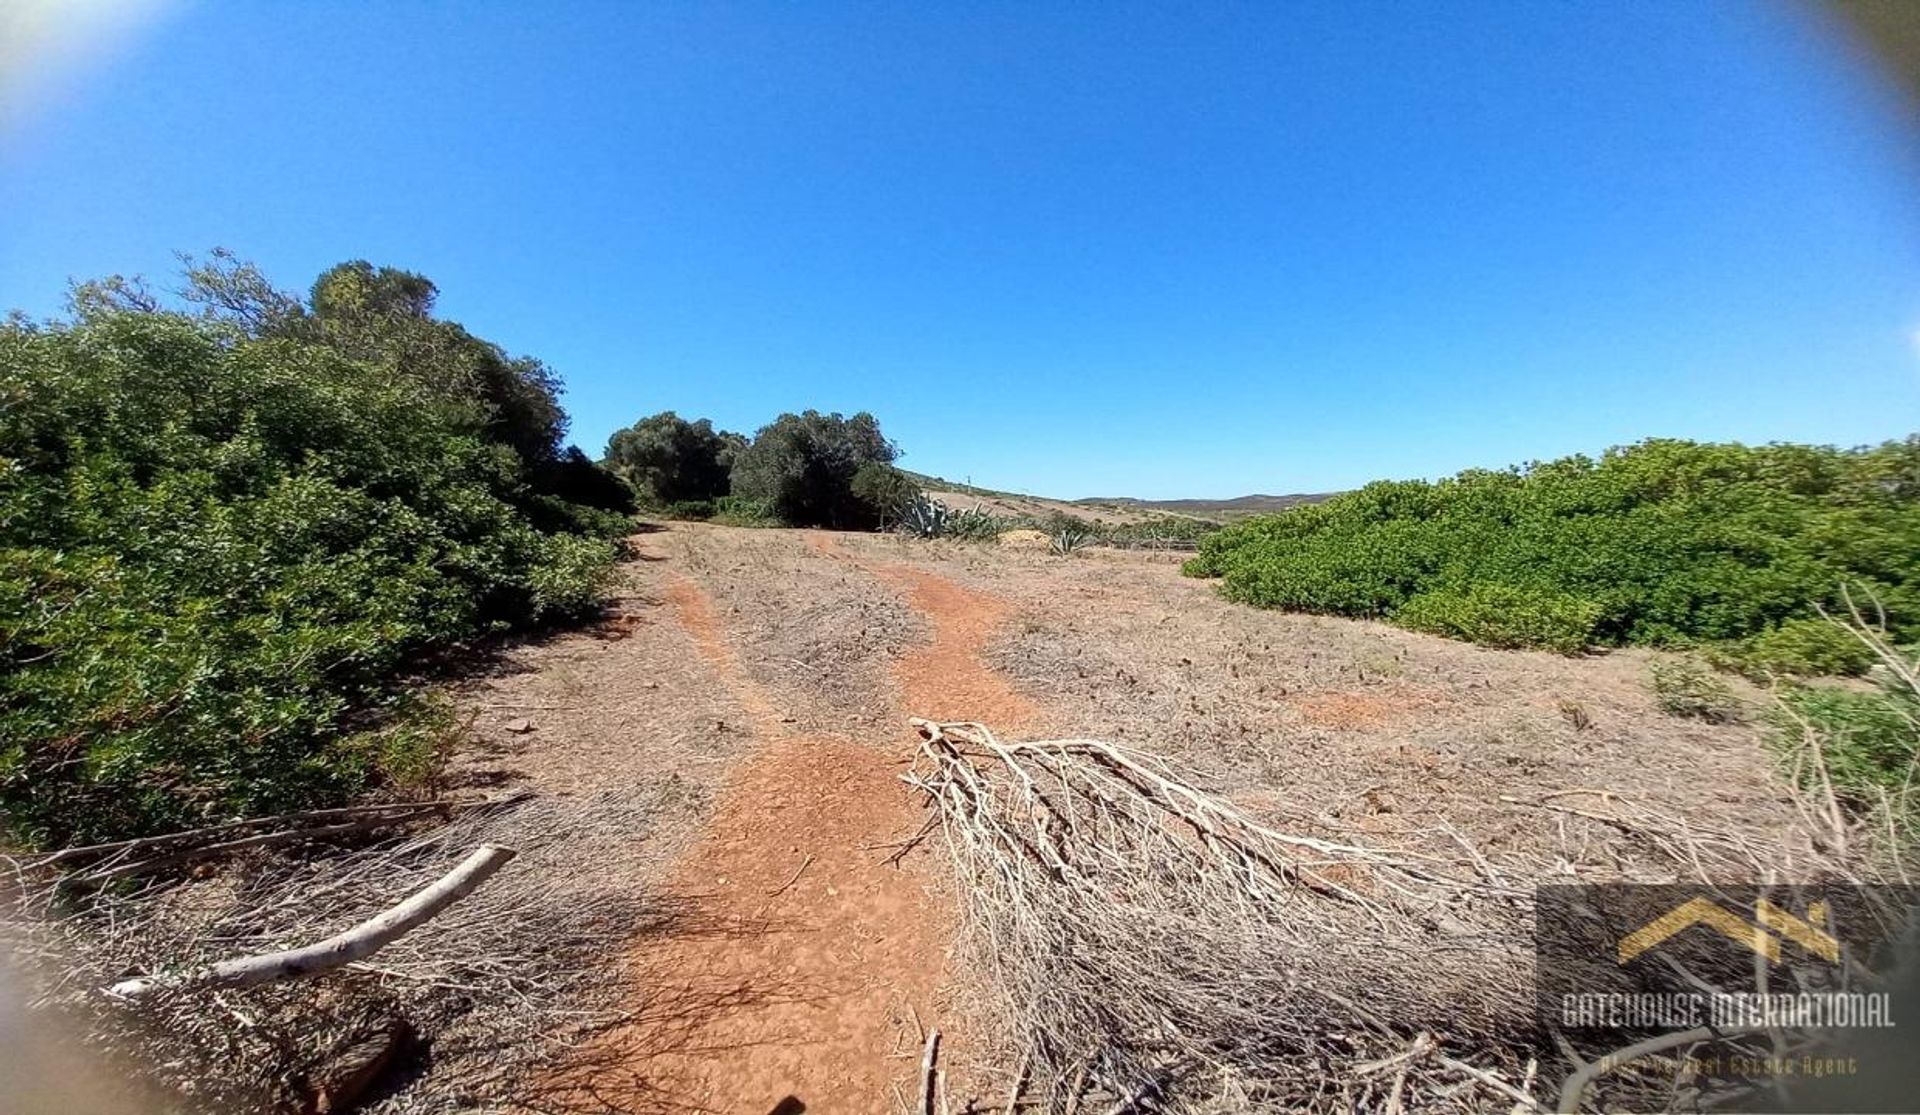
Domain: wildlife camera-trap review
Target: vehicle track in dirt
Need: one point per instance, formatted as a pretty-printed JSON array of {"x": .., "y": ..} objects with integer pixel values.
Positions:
[{"x": 815, "y": 955}]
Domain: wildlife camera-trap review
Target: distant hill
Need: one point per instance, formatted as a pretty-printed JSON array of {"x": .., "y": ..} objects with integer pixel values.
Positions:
[
  {"x": 1226, "y": 508},
  {"x": 1115, "y": 509}
]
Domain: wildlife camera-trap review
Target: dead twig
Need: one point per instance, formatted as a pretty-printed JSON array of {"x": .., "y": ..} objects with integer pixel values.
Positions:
[{"x": 355, "y": 944}]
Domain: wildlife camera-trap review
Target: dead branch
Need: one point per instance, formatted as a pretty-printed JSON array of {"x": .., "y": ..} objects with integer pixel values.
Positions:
[
  {"x": 1575, "y": 1087},
  {"x": 929, "y": 1072},
  {"x": 355, "y": 944},
  {"x": 1138, "y": 930},
  {"x": 305, "y": 818}
]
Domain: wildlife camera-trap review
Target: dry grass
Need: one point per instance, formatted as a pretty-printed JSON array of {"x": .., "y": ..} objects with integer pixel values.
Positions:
[
  {"x": 1495, "y": 771},
  {"x": 1454, "y": 778}
]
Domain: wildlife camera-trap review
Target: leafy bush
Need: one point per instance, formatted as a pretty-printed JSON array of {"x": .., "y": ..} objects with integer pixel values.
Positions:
[
  {"x": 694, "y": 509},
  {"x": 739, "y": 511},
  {"x": 222, "y": 537},
  {"x": 1498, "y": 615},
  {"x": 1668, "y": 542},
  {"x": 1868, "y": 739},
  {"x": 885, "y": 490},
  {"x": 1687, "y": 689},
  {"x": 670, "y": 460},
  {"x": 1799, "y": 648},
  {"x": 1159, "y": 534},
  {"x": 802, "y": 467}
]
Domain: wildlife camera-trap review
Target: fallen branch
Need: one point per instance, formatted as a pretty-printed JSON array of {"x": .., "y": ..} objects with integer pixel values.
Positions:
[
  {"x": 794, "y": 878},
  {"x": 929, "y": 1072},
  {"x": 260, "y": 840},
  {"x": 355, "y": 944},
  {"x": 1575, "y": 1088}
]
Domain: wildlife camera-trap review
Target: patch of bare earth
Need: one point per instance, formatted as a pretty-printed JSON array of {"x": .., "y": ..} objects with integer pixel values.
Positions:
[
  {"x": 769, "y": 673},
  {"x": 1499, "y": 770},
  {"x": 809, "y": 956},
  {"x": 1347, "y": 725}
]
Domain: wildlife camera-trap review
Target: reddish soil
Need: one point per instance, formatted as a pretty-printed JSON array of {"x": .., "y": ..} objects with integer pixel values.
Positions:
[
  {"x": 775, "y": 682},
  {"x": 812, "y": 962},
  {"x": 949, "y": 679}
]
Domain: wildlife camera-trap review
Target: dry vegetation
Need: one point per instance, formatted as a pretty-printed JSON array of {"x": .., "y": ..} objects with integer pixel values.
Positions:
[{"x": 1349, "y": 930}]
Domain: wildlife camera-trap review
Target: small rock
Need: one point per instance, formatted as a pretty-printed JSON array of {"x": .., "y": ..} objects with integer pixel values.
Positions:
[{"x": 520, "y": 725}]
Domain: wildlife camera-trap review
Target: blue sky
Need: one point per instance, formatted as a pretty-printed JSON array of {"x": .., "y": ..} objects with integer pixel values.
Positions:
[{"x": 1069, "y": 248}]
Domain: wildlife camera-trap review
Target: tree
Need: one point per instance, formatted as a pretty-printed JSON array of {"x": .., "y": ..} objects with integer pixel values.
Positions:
[
  {"x": 884, "y": 489},
  {"x": 803, "y": 465},
  {"x": 668, "y": 459},
  {"x": 384, "y": 316},
  {"x": 225, "y": 546}
]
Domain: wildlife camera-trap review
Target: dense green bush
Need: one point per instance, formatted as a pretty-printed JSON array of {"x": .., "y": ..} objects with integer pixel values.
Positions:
[
  {"x": 802, "y": 467},
  {"x": 670, "y": 460},
  {"x": 1867, "y": 738},
  {"x": 885, "y": 490},
  {"x": 1798, "y": 647},
  {"x": 1661, "y": 543},
  {"x": 739, "y": 511},
  {"x": 223, "y": 536},
  {"x": 1499, "y": 615}
]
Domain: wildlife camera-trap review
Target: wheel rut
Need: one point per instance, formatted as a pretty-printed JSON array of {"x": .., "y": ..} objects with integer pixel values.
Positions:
[{"x": 808, "y": 957}]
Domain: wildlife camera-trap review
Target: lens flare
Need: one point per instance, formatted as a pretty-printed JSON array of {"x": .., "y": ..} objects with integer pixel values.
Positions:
[{"x": 48, "y": 47}]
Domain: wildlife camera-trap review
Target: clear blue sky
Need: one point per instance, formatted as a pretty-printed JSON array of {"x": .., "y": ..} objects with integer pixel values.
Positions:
[{"x": 1070, "y": 248}]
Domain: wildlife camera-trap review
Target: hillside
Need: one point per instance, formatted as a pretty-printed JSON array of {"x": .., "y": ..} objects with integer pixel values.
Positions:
[
  {"x": 1109, "y": 509},
  {"x": 1237, "y": 507}
]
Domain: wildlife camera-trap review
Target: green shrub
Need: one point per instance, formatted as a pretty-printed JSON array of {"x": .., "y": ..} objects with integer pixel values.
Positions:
[
  {"x": 739, "y": 511},
  {"x": 1868, "y": 739},
  {"x": 221, "y": 546},
  {"x": 692, "y": 509},
  {"x": 1687, "y": 689},
  {"x": 802, "y": 467},
  {"x": 1668, "y": 542},
  {"x": 1799, "y": 648},
  {"x": 1503, "y": 616},
  {"x": 886, "y": 491},
  {"x": 671, "y": 461}
]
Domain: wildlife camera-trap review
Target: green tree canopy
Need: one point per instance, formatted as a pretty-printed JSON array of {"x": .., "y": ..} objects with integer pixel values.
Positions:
[
  {"x": 669, "y": 460},
  {"x": 885, "y": 490},
  {"x": 1664, "y": 542},
  {"x": 224, "y": 537},
  {"x": 802, "y": 466}
]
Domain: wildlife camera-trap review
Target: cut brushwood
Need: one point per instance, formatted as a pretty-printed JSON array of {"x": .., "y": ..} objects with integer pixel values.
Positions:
[{"x": 354, "y": 945}]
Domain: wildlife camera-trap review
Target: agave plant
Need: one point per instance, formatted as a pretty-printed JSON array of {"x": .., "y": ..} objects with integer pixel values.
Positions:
[
  {"x": 925, "y": 517},
  {"x": 1068, "y": 539},
  {"x": 976, "y": 525}
]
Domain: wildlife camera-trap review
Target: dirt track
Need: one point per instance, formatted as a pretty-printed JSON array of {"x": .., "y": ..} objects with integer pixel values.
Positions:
[
  {"x": 815, "y": 957},
  {"x": 768, "y": 675}
]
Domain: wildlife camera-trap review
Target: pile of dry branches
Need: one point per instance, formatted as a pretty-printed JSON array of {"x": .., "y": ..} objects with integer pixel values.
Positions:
[
  {"x": 1155, "y": 948},
  {"x": 491, "y": 984},
  {"x": 1147, "y": 945}
]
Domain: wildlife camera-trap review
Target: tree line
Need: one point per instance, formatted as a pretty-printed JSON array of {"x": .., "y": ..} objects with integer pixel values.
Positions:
[
  {"x": 232, "y": 517},
  {"x": 808, "y": 469}
]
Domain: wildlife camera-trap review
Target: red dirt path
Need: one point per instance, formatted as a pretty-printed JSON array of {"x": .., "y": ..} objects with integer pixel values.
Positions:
[{"x": 813, "y": 962}]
